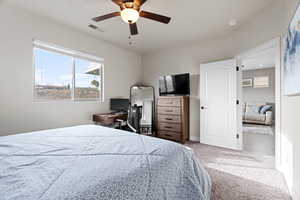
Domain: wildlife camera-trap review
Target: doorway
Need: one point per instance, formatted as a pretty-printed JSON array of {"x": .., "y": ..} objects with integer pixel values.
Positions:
[
  {"x": 218, "y": 109},
  {"x": 212, "y": 106},
  {"x": 258, "y": 105},
  {"x": 259, "y": 93}
]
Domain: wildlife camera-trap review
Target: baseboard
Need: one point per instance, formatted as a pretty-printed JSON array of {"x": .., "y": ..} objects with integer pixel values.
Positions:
[
  {"x": 194, "y": 138},
  {"x": 295, "y": 195}
]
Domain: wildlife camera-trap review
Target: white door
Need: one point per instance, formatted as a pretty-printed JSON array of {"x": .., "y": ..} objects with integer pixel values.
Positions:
[{"x": 218, "y": 104}]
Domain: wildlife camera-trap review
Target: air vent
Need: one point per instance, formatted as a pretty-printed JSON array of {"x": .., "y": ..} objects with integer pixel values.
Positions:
[{"x": 93, "y": 26}]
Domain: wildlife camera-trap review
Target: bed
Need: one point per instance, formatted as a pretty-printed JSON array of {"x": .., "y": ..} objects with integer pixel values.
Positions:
[{"x": 92, "y": 162}]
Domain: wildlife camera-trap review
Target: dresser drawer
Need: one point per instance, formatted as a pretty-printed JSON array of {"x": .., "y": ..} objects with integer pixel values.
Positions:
[
  {"x": 169, "y": 102},
  {"x": 168, "y": 110},
  {"x": 169, "y": 127},
  {"x": 169, "y": 118},
  {"x": 169, "y": 135}
]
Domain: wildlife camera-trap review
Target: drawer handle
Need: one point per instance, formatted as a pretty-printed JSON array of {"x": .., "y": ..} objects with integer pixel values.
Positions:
[
  {"x": 168, "y": 127},
  {"x": 169, "y": 110},
  {"x": 168, "y": 135},
  {"x": 170, "y": 119}
]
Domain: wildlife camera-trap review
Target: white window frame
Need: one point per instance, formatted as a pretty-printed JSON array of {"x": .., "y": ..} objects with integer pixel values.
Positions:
[{"x": 73, "y": 54}]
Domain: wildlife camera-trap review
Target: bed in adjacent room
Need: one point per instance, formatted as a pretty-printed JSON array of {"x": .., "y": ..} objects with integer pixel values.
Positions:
[{"x": 94, "y": 162}]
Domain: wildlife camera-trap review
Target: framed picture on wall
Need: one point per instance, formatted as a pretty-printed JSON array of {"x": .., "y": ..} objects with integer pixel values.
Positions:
[
  {"x": 291, "y": 67},
  {"x": 247, "y": 82}
]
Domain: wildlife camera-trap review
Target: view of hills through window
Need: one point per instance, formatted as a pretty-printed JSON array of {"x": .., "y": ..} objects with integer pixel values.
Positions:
[
  {"x": 62, "y": 77},
  {"x": 87, "y": 79}
]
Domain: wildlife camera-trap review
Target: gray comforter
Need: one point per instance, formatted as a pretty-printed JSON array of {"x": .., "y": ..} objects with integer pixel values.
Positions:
[{"x": 93, "y": 162}]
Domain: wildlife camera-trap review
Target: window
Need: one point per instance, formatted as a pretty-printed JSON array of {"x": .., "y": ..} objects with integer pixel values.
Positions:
[
  {"x": 62, "y": 74},
  {"x": 261, "y": 82},
  {"x": 53, "y": 75},
  {"x": 87, "y": 79}
]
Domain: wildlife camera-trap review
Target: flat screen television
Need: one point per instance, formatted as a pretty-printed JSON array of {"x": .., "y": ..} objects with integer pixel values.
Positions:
[
  {"x": 178, "y": 84},
  {"x": 119, "y": 105}
]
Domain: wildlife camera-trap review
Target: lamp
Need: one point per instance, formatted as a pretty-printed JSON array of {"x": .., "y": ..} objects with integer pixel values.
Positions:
[{"x": 130, "y": 15}]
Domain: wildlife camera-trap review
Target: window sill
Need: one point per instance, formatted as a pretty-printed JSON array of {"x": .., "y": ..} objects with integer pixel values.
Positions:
[{"x": 68, "y": 101}]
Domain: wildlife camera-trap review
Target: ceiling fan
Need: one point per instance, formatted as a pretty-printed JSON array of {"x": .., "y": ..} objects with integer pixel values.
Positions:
[{"x": 130, "y": 13}]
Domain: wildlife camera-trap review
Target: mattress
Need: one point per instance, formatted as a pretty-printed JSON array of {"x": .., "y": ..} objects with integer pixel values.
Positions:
[{"x": 92, "y": 162}]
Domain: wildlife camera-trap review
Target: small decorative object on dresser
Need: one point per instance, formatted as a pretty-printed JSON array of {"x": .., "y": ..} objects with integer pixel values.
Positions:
[{"x": 173, "y": 118}]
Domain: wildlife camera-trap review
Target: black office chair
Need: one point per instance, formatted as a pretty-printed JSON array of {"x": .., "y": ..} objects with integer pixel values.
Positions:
[{"x": 134, "y": 118}]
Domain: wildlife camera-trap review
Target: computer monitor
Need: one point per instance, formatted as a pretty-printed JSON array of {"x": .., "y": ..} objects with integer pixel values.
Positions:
[{"x": 119, "y": 105}]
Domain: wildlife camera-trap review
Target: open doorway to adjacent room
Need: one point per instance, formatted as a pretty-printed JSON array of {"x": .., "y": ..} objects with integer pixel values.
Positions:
[
  {"x": 258, "y": 107},
  {"x": 260, "y": 94}
]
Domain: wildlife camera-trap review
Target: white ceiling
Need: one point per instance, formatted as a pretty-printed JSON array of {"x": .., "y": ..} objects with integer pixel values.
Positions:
[
  {"x": 192, "y": 21},
  {"x": 260, "y": 59}
]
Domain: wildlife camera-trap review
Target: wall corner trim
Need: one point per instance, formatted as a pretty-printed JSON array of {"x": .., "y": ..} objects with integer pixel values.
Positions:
[
  {"x": 295, "y": 195},
  {"x": 195, "y": 138}
]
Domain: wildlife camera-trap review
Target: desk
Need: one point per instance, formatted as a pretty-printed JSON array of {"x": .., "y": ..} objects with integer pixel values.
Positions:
[{"x": 109, "y": 119}]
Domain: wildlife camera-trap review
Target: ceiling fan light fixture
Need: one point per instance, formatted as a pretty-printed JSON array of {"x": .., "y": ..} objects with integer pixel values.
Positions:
[{"x": 130, "y": 15}]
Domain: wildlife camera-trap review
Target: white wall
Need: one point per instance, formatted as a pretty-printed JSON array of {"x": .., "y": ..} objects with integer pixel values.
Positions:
[
  {"x": 266, "y": 25},
  {"x": 291, "y": 130},
  {"x": 251, "y": 94},
  {"x": 18, "y": 113}
]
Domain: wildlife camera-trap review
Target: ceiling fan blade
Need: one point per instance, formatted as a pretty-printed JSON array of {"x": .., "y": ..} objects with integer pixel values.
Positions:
[
  {"x": 140, "y": 2},
  {"x": 155, "y": 17},
  {"x": 118, "y": 2},
  {"x": 133, "y": 29},
  {"x": 104, "y": 17}
]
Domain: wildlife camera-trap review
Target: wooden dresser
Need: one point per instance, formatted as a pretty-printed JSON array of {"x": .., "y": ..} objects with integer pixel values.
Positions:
[{"x": 173, "y": 118}]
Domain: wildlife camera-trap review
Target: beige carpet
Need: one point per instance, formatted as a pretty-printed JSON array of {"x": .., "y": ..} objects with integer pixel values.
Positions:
[
  {"x": 240, "y": 175},
  {"x": 258, "y": 129}
]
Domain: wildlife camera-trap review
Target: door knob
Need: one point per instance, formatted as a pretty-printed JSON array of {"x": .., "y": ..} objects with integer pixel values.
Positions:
[{"x": 203, "y": 108}]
